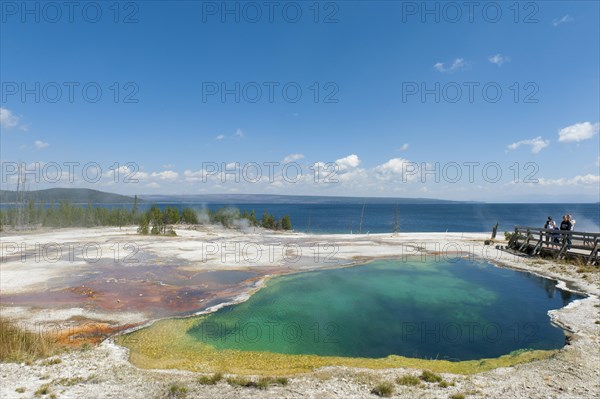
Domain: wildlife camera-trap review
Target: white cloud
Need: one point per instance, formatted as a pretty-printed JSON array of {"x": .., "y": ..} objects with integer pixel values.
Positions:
[
  {"x": 564, "y": 19},
  {"x": 7, "y": 119},
  {"x": 404, "y": 147},
  {"x": 351, "y": 161},
  {"x": 457, "y": 65},
  {"x": 239, "y": 134},
  {"x": 153, "y": 185},
  {"x": 200, "y": 175},
  {"x": 498, "y": 59},
  {"x": 578, "y": 132},
  {"x": 40, "y": 145},
  {"x": 394, "y": 165},
  {"x": 585, "y": 180},
  {"x": 124, "y": 172},
  {"x": 165, "y": 175},
  {"x": 293, "y": 158},
  {"x": 439, "y": 66},
  {"x": 537, "y": 144}
]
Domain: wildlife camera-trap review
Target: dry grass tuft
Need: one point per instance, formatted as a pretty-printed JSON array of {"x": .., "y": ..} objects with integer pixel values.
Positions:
[{"x": 19, "y": 345}]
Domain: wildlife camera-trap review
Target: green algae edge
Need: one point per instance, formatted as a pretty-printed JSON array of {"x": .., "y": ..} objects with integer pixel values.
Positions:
[{"x": 166, "y": 345}]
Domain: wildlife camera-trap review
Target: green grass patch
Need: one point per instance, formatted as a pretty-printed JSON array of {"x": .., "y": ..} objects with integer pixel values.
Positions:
[
  {"x": 50, "y": 362},
  {"x": 177, "y": 391},
  {"x": 408, "y": 380},
  {"x": 210, "y": 380},
  {"x": 383, "y": 389},
  {"x": 45, "y": 389},
  {"x": 241, "y": 382},
  {"x": 265, "y": 382},
  {"x": 68, "y": 382},
  {"x": 262, "y": 383},
  {"x": 429, "y": 376},
  {"x": 283, "y": 381}
]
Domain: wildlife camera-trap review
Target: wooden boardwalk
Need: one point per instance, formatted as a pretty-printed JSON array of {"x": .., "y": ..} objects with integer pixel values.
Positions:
[{"x": 558, "y": 243}]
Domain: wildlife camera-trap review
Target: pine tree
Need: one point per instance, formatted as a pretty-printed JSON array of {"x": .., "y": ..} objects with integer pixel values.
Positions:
[
  {"x": 286, "y": 223},
  {"x": 143, "y": 227},
  {"x": 134, "y": 208}
]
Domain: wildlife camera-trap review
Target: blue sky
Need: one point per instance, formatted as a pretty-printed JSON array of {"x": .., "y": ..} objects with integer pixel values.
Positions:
[{"x": 370, "y": 61}]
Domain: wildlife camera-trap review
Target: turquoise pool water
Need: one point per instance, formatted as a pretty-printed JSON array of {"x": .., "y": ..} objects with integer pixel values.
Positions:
[{"x": 457, "y": 311}]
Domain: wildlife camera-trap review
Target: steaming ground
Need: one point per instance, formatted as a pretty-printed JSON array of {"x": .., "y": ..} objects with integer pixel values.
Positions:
[{"x": 104, "y": 371}]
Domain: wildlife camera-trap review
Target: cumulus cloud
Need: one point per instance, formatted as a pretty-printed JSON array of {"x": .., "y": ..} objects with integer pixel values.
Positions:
[
  {"x": 40, "y": 145},
  {"x": 293, "y": 158},
  {"x": 394, "y": 165},
  {"x": 220, "y": 137},
  {"x": 564, "y": 19},
  {"x": 165, "y": 175},
  {"x": 498, "y": 59},
  {"x": 537, "y": 144},
  {"x": 351, "y": 161},
  {"x": 457, "y": 65},
  {"x": 578, "y": 132},
  {"x": 404, "y": 147},
  {"x": 8, "y": 120}
]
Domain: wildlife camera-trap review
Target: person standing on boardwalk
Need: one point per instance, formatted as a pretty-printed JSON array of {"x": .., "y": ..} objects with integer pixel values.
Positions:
[
  {"x": 549, "y": 225},
  {"x": 566, "y": 225},
  {"x": 572, "y": 221}
]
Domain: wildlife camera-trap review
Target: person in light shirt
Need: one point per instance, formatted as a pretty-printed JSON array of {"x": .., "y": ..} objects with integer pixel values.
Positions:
[
  {"x": 572, "y": 221},
  {"x": 550, "y": 225}
]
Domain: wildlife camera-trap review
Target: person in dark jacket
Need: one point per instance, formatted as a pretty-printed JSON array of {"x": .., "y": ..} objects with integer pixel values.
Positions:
[{"x": 567, "y": 225}]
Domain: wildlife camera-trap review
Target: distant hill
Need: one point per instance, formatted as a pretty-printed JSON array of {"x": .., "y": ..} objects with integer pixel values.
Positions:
[
  {"x": 72, "y": 195},
  {"x": 288, "y": 199}
]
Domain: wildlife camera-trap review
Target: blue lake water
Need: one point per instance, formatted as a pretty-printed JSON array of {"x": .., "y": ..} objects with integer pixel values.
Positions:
[{"x": 379, "y": 218}]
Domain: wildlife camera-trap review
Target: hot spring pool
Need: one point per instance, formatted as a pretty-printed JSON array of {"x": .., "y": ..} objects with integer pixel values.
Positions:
[{"x": 458, "y": 311}]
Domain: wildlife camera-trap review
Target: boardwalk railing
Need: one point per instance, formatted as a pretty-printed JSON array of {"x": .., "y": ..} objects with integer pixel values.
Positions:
[{"x": 559, "y": 243}]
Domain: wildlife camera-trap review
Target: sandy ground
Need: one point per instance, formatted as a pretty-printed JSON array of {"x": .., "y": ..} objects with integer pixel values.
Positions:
[{"x": 32, "y": 267}]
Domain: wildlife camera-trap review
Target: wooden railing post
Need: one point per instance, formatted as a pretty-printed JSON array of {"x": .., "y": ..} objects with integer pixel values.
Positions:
[
  {"x": 513, "y": 239},
  {"x": 563, "y": 249},
  {"x": 594, "y": 252}
]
